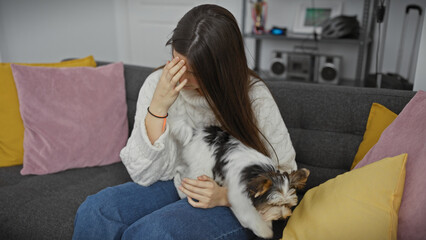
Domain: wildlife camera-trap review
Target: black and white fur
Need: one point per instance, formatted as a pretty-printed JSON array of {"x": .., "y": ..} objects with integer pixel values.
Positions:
[{"x": 257, "y": 191}]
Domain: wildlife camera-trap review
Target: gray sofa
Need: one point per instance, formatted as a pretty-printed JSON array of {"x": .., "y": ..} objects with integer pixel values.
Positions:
[{"x": 326, "y": 125}]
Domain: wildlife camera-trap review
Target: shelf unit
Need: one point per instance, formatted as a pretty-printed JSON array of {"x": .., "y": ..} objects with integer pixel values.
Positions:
[{"x": 363, "y": 43}]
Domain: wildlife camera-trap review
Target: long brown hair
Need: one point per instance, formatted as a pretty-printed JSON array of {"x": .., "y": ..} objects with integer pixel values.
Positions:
[{"x": 209, "y": 37}]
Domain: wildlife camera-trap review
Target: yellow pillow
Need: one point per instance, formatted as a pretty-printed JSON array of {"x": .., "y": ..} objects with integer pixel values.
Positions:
[
  {"x": 378, "y": 120},
  {"x": 11, "y": 126},
  {"x": 360, "y": 204}
]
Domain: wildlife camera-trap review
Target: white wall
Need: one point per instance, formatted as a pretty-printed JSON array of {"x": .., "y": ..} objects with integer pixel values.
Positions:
[
  {"x": 132, "y": 31},
  {"x": 420, "y": 79},
  {"x": 145, "y": 26},
  {"x": 51, "y": 30}
]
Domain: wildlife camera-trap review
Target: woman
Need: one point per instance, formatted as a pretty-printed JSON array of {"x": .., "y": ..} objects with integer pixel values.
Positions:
[{"x": 208, "y": 82}]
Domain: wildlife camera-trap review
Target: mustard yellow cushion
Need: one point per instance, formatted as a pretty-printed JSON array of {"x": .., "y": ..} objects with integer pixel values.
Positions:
[
  {"x": 11, "y": 126},
  {"x": 360, "y": 204},
  {"x": 378, "y": 120}
]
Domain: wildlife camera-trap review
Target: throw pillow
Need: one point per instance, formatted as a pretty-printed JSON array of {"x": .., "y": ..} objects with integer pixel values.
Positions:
[
  {"x": 11, "y": 126},
  {"x": 360, "y": 204},
  {"x": 378, "y": 120},
  {"x": 73, "y": 117},
  {"x": 407, "y": 134}
]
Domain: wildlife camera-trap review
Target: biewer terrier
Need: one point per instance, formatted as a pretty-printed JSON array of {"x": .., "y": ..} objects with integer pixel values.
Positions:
[{"x": 257, "y": 191}]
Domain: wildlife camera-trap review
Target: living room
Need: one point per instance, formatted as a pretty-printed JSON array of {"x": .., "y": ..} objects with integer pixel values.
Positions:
[
  {"x": 116, "y": 31},
  {"x": 361, "y": 134}
]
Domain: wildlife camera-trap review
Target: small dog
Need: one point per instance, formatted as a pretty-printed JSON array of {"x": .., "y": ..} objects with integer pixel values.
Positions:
[{"x": 257, "y": 191}]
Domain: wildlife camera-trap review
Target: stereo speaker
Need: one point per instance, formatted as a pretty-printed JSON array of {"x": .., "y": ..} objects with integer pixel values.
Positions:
[
  {"x": 279, "y": 64},
  {"x": 328, "y": 69}
]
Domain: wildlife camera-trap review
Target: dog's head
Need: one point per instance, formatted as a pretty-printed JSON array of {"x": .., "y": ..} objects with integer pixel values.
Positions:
[{"x": 274, "y": 193}]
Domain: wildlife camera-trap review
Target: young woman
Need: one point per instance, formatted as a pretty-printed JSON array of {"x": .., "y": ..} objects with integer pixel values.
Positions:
[{"x": 207, "y": 82}]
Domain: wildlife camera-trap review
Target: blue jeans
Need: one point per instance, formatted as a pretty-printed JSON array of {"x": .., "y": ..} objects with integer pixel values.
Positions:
[{"x": 131, "y": 211}]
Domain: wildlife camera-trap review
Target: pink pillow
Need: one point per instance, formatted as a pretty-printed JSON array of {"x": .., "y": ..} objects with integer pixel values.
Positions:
[
  {"x": 73, "y": 117},
  {"x": 407, "y": 134}
]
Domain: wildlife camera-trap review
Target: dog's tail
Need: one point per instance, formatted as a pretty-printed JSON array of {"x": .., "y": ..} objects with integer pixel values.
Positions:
[{"x": 182, "y": 131}]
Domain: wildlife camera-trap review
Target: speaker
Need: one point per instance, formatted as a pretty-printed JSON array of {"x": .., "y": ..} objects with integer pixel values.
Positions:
[
  {"x": 279, "y": 64},
  {"x": 328, "y": 69}
]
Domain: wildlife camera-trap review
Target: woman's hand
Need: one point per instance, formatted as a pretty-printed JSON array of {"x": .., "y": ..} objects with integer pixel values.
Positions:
[
  {"x": 167, "y": 89},
  {"x": 165, "y": 95},
  {"x": 206, "y": 191}
]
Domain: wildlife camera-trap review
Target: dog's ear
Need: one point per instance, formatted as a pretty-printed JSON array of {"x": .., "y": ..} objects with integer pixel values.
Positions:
[
  {"x": 298, "y": 178},
  {"x": 258, "y": 186}
]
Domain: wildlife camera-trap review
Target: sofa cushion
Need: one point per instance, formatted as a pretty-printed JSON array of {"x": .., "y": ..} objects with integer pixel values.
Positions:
[
  {"x": 326, "y": 123},
  {"x": 378, "y": 120},
  {"x": 361, "y": 204},
  {"x": 407, "y": 134},
  {"x": 11, "y": 126},
  {"x": 135, "y": 77},
  {"x": 73, "y": 117}
]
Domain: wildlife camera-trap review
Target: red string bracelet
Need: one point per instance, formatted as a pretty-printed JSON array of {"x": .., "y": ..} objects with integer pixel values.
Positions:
[{"x": 164, "y": 117}]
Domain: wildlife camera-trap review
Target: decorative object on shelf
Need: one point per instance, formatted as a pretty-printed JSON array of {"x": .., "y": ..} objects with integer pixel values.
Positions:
[
  {"x": 312, "y": 15},
  {"x": 259, "y": 13},
  {"x": 341, "y": 27},
  {"x": 280, "y": 31}
]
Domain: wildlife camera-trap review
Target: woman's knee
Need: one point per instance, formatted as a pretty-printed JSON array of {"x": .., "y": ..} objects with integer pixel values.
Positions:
[
  {"x": 89, "y": 205},
  {"x": 89, "y": 209},
  {"x": 98, "y": 218},
  {"x": 99, "y": 204}
]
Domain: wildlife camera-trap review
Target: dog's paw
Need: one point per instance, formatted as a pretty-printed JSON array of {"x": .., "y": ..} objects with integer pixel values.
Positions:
[{"x": 264, "y": 231}]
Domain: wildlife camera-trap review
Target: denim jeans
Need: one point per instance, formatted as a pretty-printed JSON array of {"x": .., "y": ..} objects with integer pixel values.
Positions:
[{"x": 131, "y": 211}]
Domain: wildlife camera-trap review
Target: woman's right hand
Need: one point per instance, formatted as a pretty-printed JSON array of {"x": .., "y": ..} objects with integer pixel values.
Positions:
[{"x": 167, "y": 89}]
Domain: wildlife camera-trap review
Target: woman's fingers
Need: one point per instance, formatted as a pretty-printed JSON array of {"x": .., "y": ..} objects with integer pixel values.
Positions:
[
  {"x": 171, "y": 64},
  {"x": 173, "y": 70},
  {"x": 191, "y": 194},
  {"x": 178, "y": 76},
  {"x": 196, "y": 204},
  {"x": 168, "y": 67},
  {"x": 181, "y": 85},
  {"x": 204, "y": 178},
  {"x": 197, "y": 189},
  {"x": 204, "y": 192},
  {"x": 197, "y": 183}
]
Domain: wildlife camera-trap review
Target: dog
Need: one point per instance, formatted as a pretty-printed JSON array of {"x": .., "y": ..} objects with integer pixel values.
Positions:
[{"x": 257, "y": 191}]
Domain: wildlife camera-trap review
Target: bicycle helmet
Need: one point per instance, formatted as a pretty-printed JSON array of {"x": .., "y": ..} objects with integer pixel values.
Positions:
[{"x": 341, "y": 27}]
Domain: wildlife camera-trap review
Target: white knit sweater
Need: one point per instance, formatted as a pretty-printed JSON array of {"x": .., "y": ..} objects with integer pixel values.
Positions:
[{"x": 148, "y": 163}]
